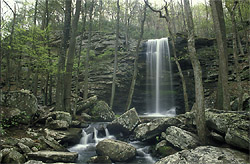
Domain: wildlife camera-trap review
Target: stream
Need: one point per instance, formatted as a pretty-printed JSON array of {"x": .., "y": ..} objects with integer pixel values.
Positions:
[{"x": 97, "y": 132}]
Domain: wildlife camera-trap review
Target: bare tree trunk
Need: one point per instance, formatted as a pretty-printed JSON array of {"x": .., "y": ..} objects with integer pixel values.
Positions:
[
  {"x": 1, "y": 55},
  {"x": 62, "y": 56},
  {"x": 223, "y": 101},
  {"x": 235, "y": 54},
  {"x": 116, "y": 53},
  {"x": 86, "y": 81},
  {"x": 207, "y": 31},
  {"x": 132, "y": 87},
  {"x": 100, "y": 15},
  {"x": 199, "y": 93},
  {"x": 183, "y": 16},
  {"x": 8, "y": 72},
  {"x": 126, "y": 24},
  {"x": 34, "y": 48},
  {"x": 70, "y": 59}
]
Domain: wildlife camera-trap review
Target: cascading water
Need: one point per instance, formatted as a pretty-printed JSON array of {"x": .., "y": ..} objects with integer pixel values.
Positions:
[
  {"x": 160, "y": 93},
  {"x": 91, "y": 137}
]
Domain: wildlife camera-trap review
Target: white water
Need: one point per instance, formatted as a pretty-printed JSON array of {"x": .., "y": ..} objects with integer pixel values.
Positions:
[
  {"x": 159, "y": 81},
  {"x": 90, "y": 138}
]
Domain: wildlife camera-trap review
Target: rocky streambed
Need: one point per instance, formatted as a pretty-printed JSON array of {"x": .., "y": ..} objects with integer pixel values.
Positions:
[{"x": 43, "y": 135}]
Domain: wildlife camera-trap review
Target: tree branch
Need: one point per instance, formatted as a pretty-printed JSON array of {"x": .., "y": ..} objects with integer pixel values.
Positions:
[
  {"x": 9, "y": 7},
  {"x": 154, "y": 10}
]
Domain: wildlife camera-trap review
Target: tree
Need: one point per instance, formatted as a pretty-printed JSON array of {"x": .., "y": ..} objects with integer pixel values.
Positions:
[
  {"x": 86, "y": 76},
  {"x": 223, "y": 101},
  {"x": 231, "y": 9},
  {"x": 70, "y": 59},
  {"x": 199, "y": 93},
  {"x": 10, "y": 48},
  {"x": 62, "y": 56},
  {"x": 116, "y": 53},
  {"x": 132, "y": 86},
  {"x": 172, "y": 36}
]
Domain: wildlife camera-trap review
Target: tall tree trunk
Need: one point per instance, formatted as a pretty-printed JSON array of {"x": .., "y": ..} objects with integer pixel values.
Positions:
[
  {"x": 173, "y": 17},
  {"x": 235, "y": 54},
  {"x": 183, "y": 16},
  {"x": 70, "y": 59},
  {"x": 116, "y": 54},
  {"x": 62, "y": 56},
  {"x": 84, "y": 13},
  {"x": 126, "y": 23},
  {"x": 86, "y": 81},
  {"x": 34, "y": 49},
  {"x": 100, "y": 15},
  {"x": 132, "y": 87},
  {"x": 199, "y": 93},
  {"x": 1, "y": 54},
  {"x": 223, "y": 101},
  {"x": 207, "y": 16},
  {"x": 8, "y": 72}
]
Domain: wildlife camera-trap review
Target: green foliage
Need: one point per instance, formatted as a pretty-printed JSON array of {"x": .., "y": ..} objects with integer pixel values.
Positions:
[{"x": 14, "y": 121}]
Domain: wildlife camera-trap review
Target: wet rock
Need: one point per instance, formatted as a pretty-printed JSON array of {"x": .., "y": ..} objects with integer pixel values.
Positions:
[
  {"x": 24, "y": 148},
  {"x": 102, "y": 112},
  {"x": 180, "y": 138},
  {"x": 99, "y": 159},
  {"x": 53, "y": 156},
  {"x": 125, "y": 123},
  {"x": 205, "y": 154},
  {"x": 86, "y": 104},
  {"x": 116, "y": 150},
  {"x": 146, "y": 131},
  {"x": 14, "y": 157},
  {"x": 58, "y": 124},
  {"x": 70, "y": 137}
]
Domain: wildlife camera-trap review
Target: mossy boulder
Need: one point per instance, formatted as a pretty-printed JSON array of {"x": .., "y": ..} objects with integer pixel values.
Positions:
[{"x": 102, "y": 112}]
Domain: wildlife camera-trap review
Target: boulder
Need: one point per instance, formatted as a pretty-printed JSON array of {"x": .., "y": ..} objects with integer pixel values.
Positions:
[
  {"x": 53, "y": 156},
  {"x": 205, "y": 154},
  {"x": 233, "y": 125},
  {"x": 217, "y": 137},
  {"x": 237, "y": 137},
  {"x": 70, "y": 137},
  {"x": 99, "y": 159},
  {"x": 116, "y": 150},
  {"x": 162, "y": 149},
  {"x": 146, "y": 131},
  {"x": 102, "y": 112},
  {"x": 14, "y": 157},
  {"x": 23, "y": 100},
  {"x": 180, "y": 138},
  {"x": 24, "y": 148},
  {"x": 60, "y": 115},
  {"x": 1, "y": 157},
  {"x": 34, "y": 162},
  {"x": 86, "y": 104},
  {"x": 51, "y": 142},
  {"x": 27, "y": 141},
  {"x": 125, "y": 123},
  {"x": 58, "y": 124}
]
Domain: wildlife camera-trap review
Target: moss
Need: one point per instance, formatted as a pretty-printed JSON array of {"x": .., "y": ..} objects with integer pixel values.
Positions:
[{"x": 165, "y": 151}]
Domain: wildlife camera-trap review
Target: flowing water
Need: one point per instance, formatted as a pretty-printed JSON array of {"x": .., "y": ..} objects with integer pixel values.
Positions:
[
  {"x": 159, "y": 81},
  {"x": 97, "y": 132}
]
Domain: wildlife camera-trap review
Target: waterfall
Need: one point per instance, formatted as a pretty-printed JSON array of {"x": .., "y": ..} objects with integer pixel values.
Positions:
[{"x": 159, "y": 82}]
